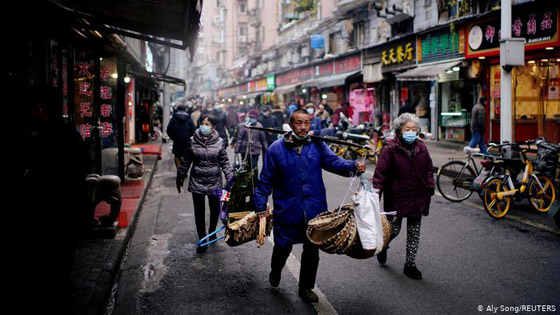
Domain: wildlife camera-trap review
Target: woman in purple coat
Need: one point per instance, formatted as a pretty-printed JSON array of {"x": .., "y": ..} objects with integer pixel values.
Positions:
[{"x": 405, "y": 177}]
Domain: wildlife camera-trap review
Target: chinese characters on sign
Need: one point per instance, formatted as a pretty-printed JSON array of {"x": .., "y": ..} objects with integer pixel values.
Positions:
[
  {"x": 537, "y": 25},
  {"x": 106, "y": 95},
  {"x": 85, "y": 112},
  {"x": 396, "y": 55},
  {"x": 438, "y": 45}
]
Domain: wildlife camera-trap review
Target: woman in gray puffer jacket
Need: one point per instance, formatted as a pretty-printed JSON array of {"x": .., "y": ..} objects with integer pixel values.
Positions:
[{"x": 207, "y": 159}]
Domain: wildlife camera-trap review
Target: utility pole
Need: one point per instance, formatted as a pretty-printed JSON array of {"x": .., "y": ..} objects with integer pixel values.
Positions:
[{"x": 506, "y": 119}]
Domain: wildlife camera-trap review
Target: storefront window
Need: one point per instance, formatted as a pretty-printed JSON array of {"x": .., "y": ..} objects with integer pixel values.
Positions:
[
  {"x": 536, "y": 96},
  {"x": 456, "y": 99}
]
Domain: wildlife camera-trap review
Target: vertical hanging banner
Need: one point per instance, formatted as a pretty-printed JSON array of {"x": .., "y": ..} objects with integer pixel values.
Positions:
[
  {"x": 107, "y": 93},
  {"x": 84, "y": 89}
]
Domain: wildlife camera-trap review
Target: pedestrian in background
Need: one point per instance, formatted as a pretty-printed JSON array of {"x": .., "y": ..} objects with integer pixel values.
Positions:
[
  {"x": 206, "y": 159},
  {"x": 180, "y": 130},
  {"x": 316, "y": 126},
  {"x": 268, "y": 120},
  {"x": 232, "y": 119},
  {"x": 221, "y": 122},
  {"x": 248, "y": 142},
  {"x": 293, "y": 173},
  {"x": 323, "y": 115},
  {"x": 404, "y": 175},
  {"x": 478, "y": 125}
]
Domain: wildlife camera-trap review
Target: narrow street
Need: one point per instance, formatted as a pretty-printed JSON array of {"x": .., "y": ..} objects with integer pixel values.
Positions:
[{"x": 468, "y": 261}]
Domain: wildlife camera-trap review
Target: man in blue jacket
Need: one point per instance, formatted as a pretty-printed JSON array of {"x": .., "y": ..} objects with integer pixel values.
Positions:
[{"x": 292, "y": 172}]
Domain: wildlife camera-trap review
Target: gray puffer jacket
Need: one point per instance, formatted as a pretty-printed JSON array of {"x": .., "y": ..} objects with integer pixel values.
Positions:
[{"x": 208, "y": 159}]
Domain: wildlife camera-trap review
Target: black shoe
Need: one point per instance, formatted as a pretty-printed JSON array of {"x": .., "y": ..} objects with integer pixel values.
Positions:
[
  {"x": 201, "y": 249},
  {"x": 274, "y": 280},
  {"x": 382, "y": 256},
  {"x": 308, "y": 296},
  {"x": 411, "y": 271}
]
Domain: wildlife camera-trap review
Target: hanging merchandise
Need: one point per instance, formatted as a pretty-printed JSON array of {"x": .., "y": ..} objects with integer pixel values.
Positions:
[
  {"x": 237, "y": 211},
  {"x": 359, "y": 230}
]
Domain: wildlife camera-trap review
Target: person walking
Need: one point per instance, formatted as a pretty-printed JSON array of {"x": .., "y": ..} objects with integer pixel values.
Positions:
[
  {"x": 404, "y": 176},
  {"x": 292, "y": 172},
  {"x": 323, "y": 115},
  {"x": 180, "y": 130},
  {"x": 206, "y": 158},
  {"x": 267, "y": 120},
  {"x": 478, "y": 125},
  {"x": 221, "y": 122},
  {"x": 232, "y": 120},
  {"x": 246, "y": 139},
  {"x": 316, "y": 126}
]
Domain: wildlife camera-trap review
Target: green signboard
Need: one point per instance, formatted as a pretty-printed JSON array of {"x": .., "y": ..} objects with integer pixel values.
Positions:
[{"x": 270, "y": 82}]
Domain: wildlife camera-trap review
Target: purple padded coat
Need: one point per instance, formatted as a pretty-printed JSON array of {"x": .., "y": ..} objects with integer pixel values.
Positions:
[{"x": 407, "y": 183}]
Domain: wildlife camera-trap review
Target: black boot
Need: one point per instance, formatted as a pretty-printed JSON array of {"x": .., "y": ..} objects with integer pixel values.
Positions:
[
  {"x": 382, "y": 256},
  {"x": 274, "y": 278},
  {"x": 308, "y": 296},
  {"x": 411, "y": 271}
]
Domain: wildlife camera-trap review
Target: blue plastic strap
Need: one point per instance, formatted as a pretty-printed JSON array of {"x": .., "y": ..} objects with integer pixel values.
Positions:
[{"x": 202, "y": 243}]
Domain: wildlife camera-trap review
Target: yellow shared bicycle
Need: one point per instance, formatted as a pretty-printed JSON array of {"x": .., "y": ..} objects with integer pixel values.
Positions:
[{"x": 500, "y": 189}]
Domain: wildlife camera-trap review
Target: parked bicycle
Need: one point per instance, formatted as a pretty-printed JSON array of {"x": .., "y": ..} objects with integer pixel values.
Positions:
[
  {"x": 456, "y": 179},
  {"x": 501, "y": 188}
]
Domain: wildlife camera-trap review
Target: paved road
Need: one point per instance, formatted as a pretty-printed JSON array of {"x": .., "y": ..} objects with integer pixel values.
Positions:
[{"x": 467, "y": 258}]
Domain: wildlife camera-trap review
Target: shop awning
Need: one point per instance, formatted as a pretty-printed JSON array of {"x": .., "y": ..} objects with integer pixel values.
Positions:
[
  {"x": 173, "y": 23},
  {"x": 311, "y": 83},
  {"x": 285, "y": 89},
  {"x": 426, "y": 72},
  {"x": 335, "y": 80},
  {"x": 158, "y": 77},
  {"x": 372, "y": 73}
]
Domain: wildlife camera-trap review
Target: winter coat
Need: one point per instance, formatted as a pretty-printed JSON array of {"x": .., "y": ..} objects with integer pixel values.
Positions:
[
  {"x": 316, "y": 125},
  {"x": 406, "y": 182},
  {"x": 279, "y": 115},
  {"x": 296, "y": 183},
  {"x": 180, "y": 129},
  {"x": 478, "y": 118},
  {"x": 207, "y": 159},
  {"x": 258, "y": 138},
  {"x": 273, "y": 123}
]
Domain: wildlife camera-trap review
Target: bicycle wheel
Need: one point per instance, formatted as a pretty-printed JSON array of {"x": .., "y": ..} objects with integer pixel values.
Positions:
[
  {"x": 454, "y": 181},
  {"x": 496, "y": 207},
  {"x": 543, "y": 199}
]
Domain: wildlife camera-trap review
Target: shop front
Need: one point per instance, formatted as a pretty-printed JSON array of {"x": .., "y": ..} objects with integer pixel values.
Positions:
[
  {"x": 381, "y": 65},
  {"x": 438, "y": 88},
  {"x": 535, "y": 98}
]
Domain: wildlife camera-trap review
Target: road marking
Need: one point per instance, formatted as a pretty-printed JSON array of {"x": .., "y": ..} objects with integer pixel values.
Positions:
[
  {"x": 512, "y": 217},
  {"x": 324, "y": 307}
]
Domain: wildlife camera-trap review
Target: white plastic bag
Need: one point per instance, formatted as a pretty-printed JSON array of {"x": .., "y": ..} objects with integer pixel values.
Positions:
[{"x": 368, "y": 218}]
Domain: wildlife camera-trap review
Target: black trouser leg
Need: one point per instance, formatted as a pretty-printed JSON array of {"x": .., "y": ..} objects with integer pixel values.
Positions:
[
  {"x": 214, "y": 203},
  {"x": 279, "y": 257},
  {"x": 412, "y": 235},
  {"x": 412, "y": 238},
  {"x": 199, "y": 214},
  {"x": 309, "y": 266}
]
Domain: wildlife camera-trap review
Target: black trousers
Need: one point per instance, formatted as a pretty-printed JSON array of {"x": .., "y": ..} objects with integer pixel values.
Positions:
[
  {"x": 199, "y": 202},
  {"x": 309, "y": 263}
]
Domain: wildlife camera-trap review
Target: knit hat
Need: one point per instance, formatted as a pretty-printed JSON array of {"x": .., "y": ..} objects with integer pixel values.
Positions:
[{"x": 253, "y": 114}]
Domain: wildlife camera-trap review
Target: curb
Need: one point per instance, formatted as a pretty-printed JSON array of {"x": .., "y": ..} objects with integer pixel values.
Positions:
[{"x": 114, "y": 264}]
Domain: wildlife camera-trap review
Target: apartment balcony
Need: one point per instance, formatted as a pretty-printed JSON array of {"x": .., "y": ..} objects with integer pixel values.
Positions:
[{"x": 346, "y": 6}]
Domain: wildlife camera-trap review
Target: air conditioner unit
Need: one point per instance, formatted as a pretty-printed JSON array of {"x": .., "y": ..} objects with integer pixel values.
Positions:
[{"x": 242, "y": 38}]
